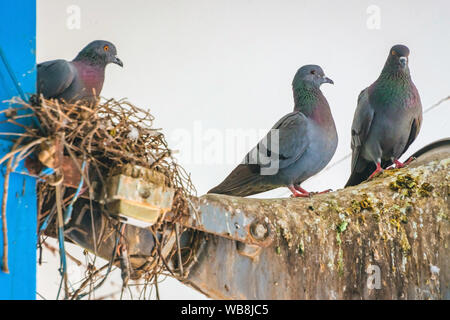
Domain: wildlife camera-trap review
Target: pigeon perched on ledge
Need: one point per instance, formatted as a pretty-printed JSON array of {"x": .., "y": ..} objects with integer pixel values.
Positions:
[
  {"x": 299, "y": 145},
  {"x": 79, "y": 79},
  {"x": 387, "y": 119}
]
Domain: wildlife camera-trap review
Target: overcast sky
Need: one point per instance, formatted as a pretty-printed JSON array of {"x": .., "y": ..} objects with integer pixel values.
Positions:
[{"x": 217, "y": 74}]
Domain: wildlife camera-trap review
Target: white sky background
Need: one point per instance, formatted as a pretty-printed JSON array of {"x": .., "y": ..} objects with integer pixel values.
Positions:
[{"x": 207, "y": 69}]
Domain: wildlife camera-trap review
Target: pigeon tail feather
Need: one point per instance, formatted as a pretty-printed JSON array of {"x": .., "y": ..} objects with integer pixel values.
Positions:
[{"x": 243, "y": 181}]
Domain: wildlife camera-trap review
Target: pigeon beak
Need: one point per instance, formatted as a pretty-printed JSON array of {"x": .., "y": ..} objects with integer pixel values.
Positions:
[
  {"x": 118, "y": 61},
  {"x": 403, "y": 61},
  {"x": 327, "y": 80}
]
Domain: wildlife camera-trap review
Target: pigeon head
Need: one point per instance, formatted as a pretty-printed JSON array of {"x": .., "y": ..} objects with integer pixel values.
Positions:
[
  {"x": 99, "y": 52},
  {"x": 398, "y": 58},
  {"x": 310, "y": 74}
]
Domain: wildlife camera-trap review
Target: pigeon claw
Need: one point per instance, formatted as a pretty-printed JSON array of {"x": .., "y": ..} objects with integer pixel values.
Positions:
[
  {"x": 301, "y": 195},
  {"x": 399, "y": 164},
  {"x": 377, "y": 170},
  {"x": 325, "y": 191},
  {"x": 299, "y": 192},
  {"x": 319, "y": 192},
  {"x": 300, "y": 189}
]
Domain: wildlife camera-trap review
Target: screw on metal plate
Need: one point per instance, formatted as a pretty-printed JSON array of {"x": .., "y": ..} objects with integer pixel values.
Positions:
[
  {"x": 259, "y": 230},
  {"x": 139, "y": 194},
  {"x": 144, "y": 193}
]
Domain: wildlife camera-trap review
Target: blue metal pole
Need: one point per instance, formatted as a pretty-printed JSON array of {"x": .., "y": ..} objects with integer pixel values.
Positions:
[{"x": 18, "y": 79}]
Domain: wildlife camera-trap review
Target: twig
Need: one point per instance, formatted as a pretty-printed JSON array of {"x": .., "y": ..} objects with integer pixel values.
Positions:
[
  {"x": 155, "y": 283},
  {"x": 180, "y": 261},
  {"x": 26, "y": 147},
  {"x": 62, "y": 251},
  {"x": 110, "y": 264},
  {"x": 88, "y": 280},
  {"x": 53, "y": 250},
  {"x": 5, "y": 268}
]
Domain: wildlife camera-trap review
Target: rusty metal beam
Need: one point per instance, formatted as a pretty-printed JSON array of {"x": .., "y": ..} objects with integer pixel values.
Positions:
[
  {"x": 140, "y": 197},
  {"x": 324, "y": 247},
  {"x": 336, "y": 246}
]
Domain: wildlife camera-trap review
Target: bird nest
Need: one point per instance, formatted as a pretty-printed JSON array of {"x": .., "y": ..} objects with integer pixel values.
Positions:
[{"x": 98, "y": 140}]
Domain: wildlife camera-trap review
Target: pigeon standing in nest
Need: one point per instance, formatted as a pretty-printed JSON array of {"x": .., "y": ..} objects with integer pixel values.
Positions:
[{"x": 79, "y": 79}]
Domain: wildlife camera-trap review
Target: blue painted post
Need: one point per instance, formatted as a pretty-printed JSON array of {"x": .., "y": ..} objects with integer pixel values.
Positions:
[{"x": 18, "y": 78}]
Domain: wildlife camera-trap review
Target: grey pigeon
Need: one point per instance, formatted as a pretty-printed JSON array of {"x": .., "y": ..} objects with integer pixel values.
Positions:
[
  {"x": 299, "y": 145},
  {"x": 387, "y": 119},
  {"x": 79, "y": 79}
]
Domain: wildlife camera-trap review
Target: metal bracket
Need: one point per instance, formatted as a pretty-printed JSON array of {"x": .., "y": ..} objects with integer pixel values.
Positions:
[
  {"x": 210, "y": 217},
  {"x": 138, "y": 196}
]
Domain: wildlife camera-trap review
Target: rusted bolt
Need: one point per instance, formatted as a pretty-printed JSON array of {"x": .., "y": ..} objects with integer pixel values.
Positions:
[
  {"x": 259, "y": 230},
  {"x": 144, "y": 193}
]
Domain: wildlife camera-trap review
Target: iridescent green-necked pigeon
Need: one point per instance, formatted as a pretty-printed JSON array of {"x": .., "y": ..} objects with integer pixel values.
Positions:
[
  {"x": 387, "y": 119},
  {"x": 299, "y": 145},
  {"x": 79, "y": 79}
]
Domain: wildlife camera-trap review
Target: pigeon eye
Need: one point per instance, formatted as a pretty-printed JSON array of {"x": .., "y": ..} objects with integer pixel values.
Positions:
[
  {"x": 313, "y": 71},
  {"x": 393, "y": 52},
  {"x": 106, "y": 48}
]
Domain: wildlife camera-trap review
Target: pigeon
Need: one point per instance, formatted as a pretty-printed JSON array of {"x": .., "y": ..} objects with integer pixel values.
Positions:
[
  {"x": 79, "y": 79},
  {"x": 387, "y": 119},
  {"x": 297, "y": 147}
]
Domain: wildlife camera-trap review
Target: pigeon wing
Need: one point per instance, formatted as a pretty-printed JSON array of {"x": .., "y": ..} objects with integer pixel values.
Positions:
[
  {"x": 287, "y": 140},
  {"x": 54, "y": 77},
  {"x": 362, "y": 122},
  {"x": 285, "y": 143}
]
